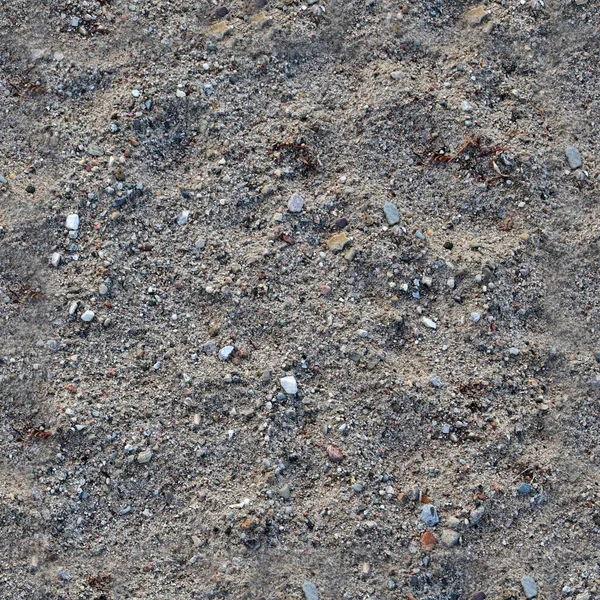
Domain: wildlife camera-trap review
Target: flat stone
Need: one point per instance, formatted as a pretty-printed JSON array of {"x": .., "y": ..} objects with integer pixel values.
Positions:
[
  {"x": 226, "y": 352},
  {"x": 310, "y": 591},
  {"x": 295, "y": 203},
  {"x": 574, "y": 157},
  {"x": 144, "y": 457},
  {"x": 183, "y": 217},
  {"x": 476, "y": 15},
  {"x": 72, "y": 222},
  {"x": 338, "y": 242},
  {"x": 449, "y": 538},
  {"x": 289, "y": 385},
  {"x": 529, "y": 587},
  {"x": 94, "y": 150},
  {"x": 429, "y": 515},
  {"x": 88, "y": 316},
  {"x": 429, "y": 323},
  {"x": 391, "y": 213}
]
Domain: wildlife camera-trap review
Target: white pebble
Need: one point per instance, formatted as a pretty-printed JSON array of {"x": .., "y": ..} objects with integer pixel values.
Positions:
[
  {"x": 429, "y": 323},
  {"x": 56, "y": 258},
  {"x": 183, "y": 217},
  {"x": 88, "y": 316},
  {"x": 72, "y": 222},
  {"x": 226, "y": 352},
  {"x": 289, "y": 385}
]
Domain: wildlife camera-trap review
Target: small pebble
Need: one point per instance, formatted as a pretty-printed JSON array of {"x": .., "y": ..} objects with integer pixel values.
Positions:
[
  {"x": 429, "y": 515},
  {"x": 574, "y": 157},
  {"x": 449, "y": 538},
  {"x": 448, "y": 245},
  {"x": 30, "y": 189},
  {"x": 88, "y": 316},
  {"x": 429, "y": 323},
  {"x": 3, "y": 180},
  {"x": 435, "y": 382},
  {"x": 295, "y": 203},
  {"x": 64, "y": 575},
  {"x": 226, "y": 352},
  {"x": 144, "y": 457},
  {"x": 183, "y": 217},
  {"x": 72, "y": 222},
  {"x": 476, "y": 317},
  {"x": 289, "y": 385},
  {"x": 310, "y": 591},
  {"x": 338, "y": 242},
  {"x": 391, "y": 213},
  {"x": 56, "y": 258},
  {"x": 513, "y": 351},
  {"x": 529, "y": 587},
  {"x": 334, "y": 454},
  {"x": 524, "y": 489}
]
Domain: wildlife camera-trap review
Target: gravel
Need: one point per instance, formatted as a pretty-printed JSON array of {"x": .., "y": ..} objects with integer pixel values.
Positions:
[{"x": 88, "y": 316}]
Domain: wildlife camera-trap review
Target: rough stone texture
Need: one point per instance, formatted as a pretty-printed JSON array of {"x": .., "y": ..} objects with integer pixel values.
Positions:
[{"x": 350, "y": 104}]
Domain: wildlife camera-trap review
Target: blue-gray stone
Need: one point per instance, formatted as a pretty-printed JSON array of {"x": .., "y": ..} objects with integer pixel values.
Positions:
[
  {"x": 524, "y": 489},
  {"x": 529, "y": 587},
  {"x": 391, "y": 213},
  {"x": 429, "y": 515},
  {"x": 310, "y": 591},
  {"x": 574, "y": 157}
]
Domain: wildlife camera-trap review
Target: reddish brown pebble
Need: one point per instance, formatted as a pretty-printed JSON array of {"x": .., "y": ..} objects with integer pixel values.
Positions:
[
  {"x": 334, "y": 454},
  {"x": 428, "y": 541}
]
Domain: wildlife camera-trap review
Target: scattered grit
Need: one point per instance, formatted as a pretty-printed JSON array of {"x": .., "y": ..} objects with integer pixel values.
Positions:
[{"x": 299, "y": 301}]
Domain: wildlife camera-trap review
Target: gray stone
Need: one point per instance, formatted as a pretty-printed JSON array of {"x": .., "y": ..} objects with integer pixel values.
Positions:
[
  {"x": 285, "y": 492},
  {"x": 295, "y": 203},
  {"x": 513, "y": 351},
  {"x": 94, "y": 150},
  {"x": 450, "y": 538},
  {"x": 56, "y": 258},
  {"x": 435, "y": 381},
  {"x": 574, "y": 157},
  {"x": 3, "y": 180},
  {"x": 144, "y": 457},
  {"x": 391, "y": 213},
  {"x": 64, "y": 575},
  {"x": 88, "y": 316},
  {"x": 529, "y": 587},
  {"x": 72, "y": 222},
  {"x": 310, "y": 591},
  {"x": 476, "y": 317},
  {"x": 226, "y": 352},
  {"x": 429, "y": 515}
]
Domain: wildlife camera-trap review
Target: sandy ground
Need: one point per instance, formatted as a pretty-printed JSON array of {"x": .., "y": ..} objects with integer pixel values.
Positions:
[{"x": 229, "y": 166}]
